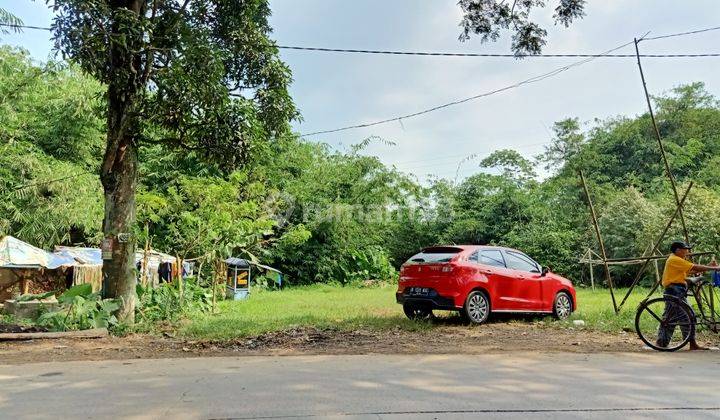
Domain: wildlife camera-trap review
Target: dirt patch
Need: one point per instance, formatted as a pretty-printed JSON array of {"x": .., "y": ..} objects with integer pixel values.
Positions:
[
  {"x": 14, "y": 328},
  {"x": 491, "y": 338}
]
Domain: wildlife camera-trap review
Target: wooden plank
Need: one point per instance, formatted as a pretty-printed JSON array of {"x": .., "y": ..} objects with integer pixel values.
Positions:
[{"x": 93, "y": 333}]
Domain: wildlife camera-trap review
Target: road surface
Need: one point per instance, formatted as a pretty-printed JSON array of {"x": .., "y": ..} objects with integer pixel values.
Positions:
[{"x": 511, "y": 385}]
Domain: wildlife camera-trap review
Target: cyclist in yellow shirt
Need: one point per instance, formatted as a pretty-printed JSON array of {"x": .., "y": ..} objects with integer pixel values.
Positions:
[{"x": 677, "y": 269}]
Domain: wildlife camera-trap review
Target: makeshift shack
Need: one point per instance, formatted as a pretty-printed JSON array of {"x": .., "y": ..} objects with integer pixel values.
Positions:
[
  {"x": 25, "y": 268},
  {"x": 239, "y": 274},
  {"x": 88, "y": 265},
  {"x": 153, "y": 267}
]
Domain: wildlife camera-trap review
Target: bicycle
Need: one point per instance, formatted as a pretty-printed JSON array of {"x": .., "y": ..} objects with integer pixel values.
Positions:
[{"x": 666, "y": 323}]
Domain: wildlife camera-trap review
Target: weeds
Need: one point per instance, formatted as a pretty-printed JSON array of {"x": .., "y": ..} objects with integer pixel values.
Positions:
[
  {"x": 80, "y": 309},
  {"x": 170, "y": 301}
]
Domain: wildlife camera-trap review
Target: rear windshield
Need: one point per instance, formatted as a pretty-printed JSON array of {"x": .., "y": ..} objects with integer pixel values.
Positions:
[{"x": 435, "y": 255}]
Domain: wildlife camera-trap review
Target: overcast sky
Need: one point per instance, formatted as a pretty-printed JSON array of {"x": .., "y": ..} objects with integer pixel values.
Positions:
[{"x": 334, "y": 90}]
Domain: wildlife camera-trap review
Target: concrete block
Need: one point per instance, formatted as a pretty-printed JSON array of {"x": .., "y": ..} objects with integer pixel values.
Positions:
[{"x": 30, "y": 309}]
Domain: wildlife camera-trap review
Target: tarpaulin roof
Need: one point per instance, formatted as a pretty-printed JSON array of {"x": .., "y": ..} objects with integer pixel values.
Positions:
[
  {"x": 15, "y": 253},
  {"x": 241, "y": 262},
  {"x": 166, "y": 258},
  {"x": 93, "y": 256},
  {"x": 85, "y": 256},
  {"x": 237, "y": 262}
]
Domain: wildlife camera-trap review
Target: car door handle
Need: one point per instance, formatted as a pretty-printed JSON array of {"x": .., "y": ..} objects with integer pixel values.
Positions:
[{"x": 487, "y": 271}]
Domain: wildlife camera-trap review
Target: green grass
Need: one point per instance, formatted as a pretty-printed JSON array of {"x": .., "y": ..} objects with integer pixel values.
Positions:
[
  {"x": 348, "y": 308},
  {"x": 321, "y": 306},
  {"x": 595, "y": 308}
]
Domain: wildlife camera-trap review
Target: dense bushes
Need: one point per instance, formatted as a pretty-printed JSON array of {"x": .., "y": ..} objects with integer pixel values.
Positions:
[{"x": 170, "y": 301}]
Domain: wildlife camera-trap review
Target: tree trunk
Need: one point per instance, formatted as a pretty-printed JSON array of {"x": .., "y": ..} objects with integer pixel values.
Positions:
[
  {"x": 119, "y": 184},
  {"x": 120, "y": 163}
]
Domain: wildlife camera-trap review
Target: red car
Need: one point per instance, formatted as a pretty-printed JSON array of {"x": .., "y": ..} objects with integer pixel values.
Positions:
[{"x": 477, "y": 280}]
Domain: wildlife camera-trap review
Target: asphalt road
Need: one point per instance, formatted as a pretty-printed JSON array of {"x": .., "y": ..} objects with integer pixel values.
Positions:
[{"x": 511, "y": 385}]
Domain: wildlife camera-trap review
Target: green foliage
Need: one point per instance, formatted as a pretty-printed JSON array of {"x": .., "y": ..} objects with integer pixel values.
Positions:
[
  {"x": 170, "y": 301},
  {"x": 50, "y": 130},
  {"x": 202, "y": 76},
  {"x": 7, "y": 18},
  {"x": 53, "y": 106},
  {"x": 358, "y": 265},
  {"x": 512, "y": 165},
  {"x": 487, "y": 18},
  {"x": 80, "y": 309},
  {"x": 35, "y": 296}
]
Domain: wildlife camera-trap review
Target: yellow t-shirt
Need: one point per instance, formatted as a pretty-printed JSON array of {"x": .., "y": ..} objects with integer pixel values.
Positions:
[{"x": 676, "y": 270}]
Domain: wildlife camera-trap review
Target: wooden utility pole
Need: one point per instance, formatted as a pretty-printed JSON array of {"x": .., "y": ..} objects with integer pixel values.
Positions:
[{"x": 600, "y": 241}]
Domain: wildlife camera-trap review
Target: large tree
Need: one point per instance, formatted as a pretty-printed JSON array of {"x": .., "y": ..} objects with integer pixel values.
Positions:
[
  {"x": 200, "y": 75},
  {"x": 487, "y": 18}
]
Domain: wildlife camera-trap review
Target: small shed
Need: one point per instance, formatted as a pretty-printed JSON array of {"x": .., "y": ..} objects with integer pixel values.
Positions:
[
  {"x": 88, "y": 265},
  {"x": 22, "y": 263},
  {"x": 239, "y": 275},
  {"x": 238, "y": 278}
]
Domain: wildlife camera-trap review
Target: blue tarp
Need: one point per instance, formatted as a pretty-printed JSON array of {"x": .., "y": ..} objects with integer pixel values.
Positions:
[{"x": 15, "y": 253}]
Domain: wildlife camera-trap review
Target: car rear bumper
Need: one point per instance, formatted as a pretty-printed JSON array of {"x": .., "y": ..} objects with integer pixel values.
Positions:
[{"x": 434, "y": 302}]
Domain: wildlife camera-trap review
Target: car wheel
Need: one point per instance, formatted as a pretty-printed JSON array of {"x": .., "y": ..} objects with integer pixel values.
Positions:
[
  {"x": 417, "y": 312},
  {"x": 563, "y": 307},
  {"x": 477, "y": 307}
]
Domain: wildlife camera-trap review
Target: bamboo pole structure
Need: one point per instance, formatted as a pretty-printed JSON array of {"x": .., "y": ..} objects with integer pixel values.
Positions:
[
  {"x": 600, "y": 241},
  {"x": 613, "y": 261},
  {"x": 660, "y": 144},
  {"x": 638, "y": 276}
]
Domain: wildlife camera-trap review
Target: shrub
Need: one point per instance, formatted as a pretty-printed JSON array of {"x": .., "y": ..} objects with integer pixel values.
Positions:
[
  {"x": 170, "y": 301},
  {"x": 80, "y": 309}
]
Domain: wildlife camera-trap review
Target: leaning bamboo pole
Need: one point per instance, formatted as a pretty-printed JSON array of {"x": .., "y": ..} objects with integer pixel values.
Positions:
[
  {"x": 638, "y": 276},
  {"x": 668, "y": 172},
  {"x": 593, "y": 215}
]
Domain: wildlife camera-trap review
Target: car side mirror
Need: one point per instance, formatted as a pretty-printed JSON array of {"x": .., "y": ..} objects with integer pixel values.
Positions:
[{"x": 544, "y": 271}]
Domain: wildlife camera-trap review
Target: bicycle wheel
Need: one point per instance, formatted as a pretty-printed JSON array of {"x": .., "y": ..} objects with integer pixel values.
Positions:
[
  {"x": 707, "y": 301},
  {"x": 665, "y": 324}
]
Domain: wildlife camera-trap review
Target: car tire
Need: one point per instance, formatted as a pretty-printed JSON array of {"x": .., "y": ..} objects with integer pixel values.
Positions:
[
  {"x": 477, "y": 307},
  {"x": 417, "y": 312},
  {"x": 562, "y": 305}
]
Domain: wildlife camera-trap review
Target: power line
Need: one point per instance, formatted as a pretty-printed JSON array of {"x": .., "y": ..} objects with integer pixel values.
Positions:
[
  {"x": 458, "y": 54},
  {"x": 9, "y": 25},
  {"x": 461, "y": 101},
  {"x": 516, "y": 85},
  {"x": 715, "y": 28},
  {"x": 452, "y": 54}
]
